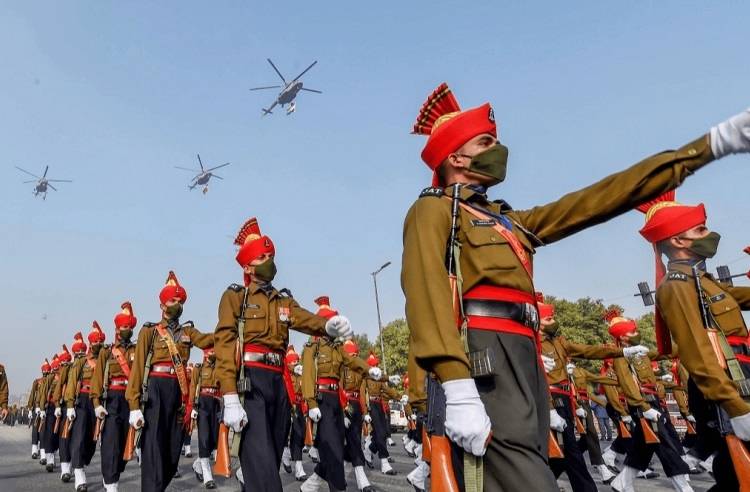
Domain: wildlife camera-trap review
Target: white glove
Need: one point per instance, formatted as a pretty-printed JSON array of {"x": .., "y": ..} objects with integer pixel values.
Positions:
[
  {"x": 627, "y": 419},
  {"x": 368, "y": 419},
  {"x": 556, "y": 422},
  {"x": 653, "y": 415},
  {"x": 58, "y": 411},
  {"x": 375, "y": 373},
  {"x": 234, "y": 415},
  {"x": 581, "y": 412},
  {"x": 466, "y": 421},
  {"x": 404, "y": 399},
  {"x": 194, "y": 414},
  {"x": 70, "y": 413},
  {"x": 741, "y": 426},
  {"x": 339, "y": 326},
  {"x": 38, "y": 411},
  {"x": 395, "y": 380},
  {"x": 100, "y": 412},
  {"x": 31, "y": 414},
  {"x": 634, "y": 351},
  {"x": 732, "y": 136},
  {"x": 549, "y": 363},
  {"x": 690, "y": 419},
  {"x": 413, "y": 417},
  {"x": 314, "y": 414},
  {"x": 667, "y": 377},
  {"x": 298, "y": 369},
  {"x": 136, "y": 419},
  {"x": 347, "y": 422}
]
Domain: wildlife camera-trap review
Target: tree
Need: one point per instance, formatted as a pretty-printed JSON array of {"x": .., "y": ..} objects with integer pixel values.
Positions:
[
  {"x": 364, "y": 344},
  {"x": 396, "y": 345}
]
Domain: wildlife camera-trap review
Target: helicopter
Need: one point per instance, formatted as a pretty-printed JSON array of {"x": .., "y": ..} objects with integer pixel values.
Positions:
[
  {"x": 203, "y": 176},
  {"x": 42, "y": 183},
  {"x": 289, "y": 90}
]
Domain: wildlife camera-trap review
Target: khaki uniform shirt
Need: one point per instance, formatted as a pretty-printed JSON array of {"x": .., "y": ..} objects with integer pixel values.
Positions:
[
  {"x": 107, "y": 358},
  {"x": 380, "y": 389},
  {"x": 31, "y": 403},
  {"x": 417, "y": 390},
  {"x": 58, "y": 396},
  {"x": 3, "y": 387},
  {"x": 632, "y": 375},
  {"x": 268, "y": 319},
  {"x": 677, "y": 302},
  {"x": 50, "y": 382},
  {"x": 203, "y": 377},
  {"x": 680, "y": 396},
  {"x": 487, "y": 258},
  {"x": 560, "y": 349},
  {"x": 185, "y": 336},
  {"x": 83, "y": 367},
  {"x": 325, "y": 359}
]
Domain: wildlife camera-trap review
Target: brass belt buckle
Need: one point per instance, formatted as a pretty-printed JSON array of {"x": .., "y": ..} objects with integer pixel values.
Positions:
[{"x": 531, "y": 316}]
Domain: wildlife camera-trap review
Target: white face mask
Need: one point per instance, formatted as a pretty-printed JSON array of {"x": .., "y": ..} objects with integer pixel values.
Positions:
[{"x": 570, "y": 368}]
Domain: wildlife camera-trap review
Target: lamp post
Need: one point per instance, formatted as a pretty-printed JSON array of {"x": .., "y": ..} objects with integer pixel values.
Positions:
[{"x": 377, "y": 306}]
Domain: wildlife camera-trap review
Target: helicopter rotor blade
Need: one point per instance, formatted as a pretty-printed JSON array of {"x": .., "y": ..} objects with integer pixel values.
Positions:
[
  {"x": 51, "y": 186},
  {"x": 217, "y": 167},
  {"x": 25, "y": 171},
  {"x": 200, "y": 161},
  {"x": 59, "y": 181},
  {"x": 45, "y": 172},
  {"x": 312, "y": 90},
  {"x": 277, "y": 71},
  {"x": 31, "y": 181},
  {"x": 186, "y": 169},
  {"x": 266, "y": 87},
  {"x": 305, "y": 71},
  {"x": 216, "y": 176}
]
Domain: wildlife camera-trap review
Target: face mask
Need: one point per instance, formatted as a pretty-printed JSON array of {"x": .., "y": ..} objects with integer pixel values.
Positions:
[
  {"x": 634, "y": 339},
  {"x": 706, "y": 247},
  {"x": 211, "y": 359},
  {"x": 174, "y": 311},
  {"x": 95, "y": 350},
  {"x": 551, "y": 330},
  {"x": 126, "y": 335},
  {"x": 266, "y": 271},
  {"x": 492, "y": 163}
]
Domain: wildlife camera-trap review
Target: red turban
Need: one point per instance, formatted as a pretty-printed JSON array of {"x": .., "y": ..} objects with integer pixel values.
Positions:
[
  {"x": 172, "y": 290},
  {"x": 252, "y": 244},
  {"x": 618, "y": 325},
  {"x": 46, "y": 367},
  {"x": 125, "y": 318},
  {"x": 292, "y": 357},
  {"x": 64, "y": 355},
  {"x": 55, "y": 362},
  {"x": 324, "y": 308},
  {"x": 350, "y": 347},
  {"x": 372, "y": 360},
  {"x": 79, "y": 345},
  {"x": 96, "y": 335}
]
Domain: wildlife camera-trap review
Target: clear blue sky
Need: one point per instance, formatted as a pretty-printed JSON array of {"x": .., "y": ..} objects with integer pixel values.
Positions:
[{"x": 113, "y": 95}]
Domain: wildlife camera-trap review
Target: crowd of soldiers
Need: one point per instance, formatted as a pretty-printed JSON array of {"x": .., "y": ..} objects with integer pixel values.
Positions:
[{"x": 495, "y": 400}]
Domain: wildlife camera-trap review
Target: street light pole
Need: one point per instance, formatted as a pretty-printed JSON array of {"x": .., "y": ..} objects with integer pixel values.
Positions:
[{"x": 377, "y": 306}]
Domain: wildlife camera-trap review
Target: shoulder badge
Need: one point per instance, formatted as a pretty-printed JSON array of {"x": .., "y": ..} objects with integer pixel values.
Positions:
[
  {"x": 677, "y": 276},
  {"x": 235, "y": 288},
  {"x": 285, "y": 292},
  {"x": 149, "y": 324},
  {"x": 188, "y": 324},
  {"x": 504, "y": 206},
  {"x": 432, "y": 191}
]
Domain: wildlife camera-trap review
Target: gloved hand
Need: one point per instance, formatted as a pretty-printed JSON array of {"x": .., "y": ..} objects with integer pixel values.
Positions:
[
  {"x": 466, "y": 421},
  {"x": 556, "y": 422},
  {"x": 31, "y": 414},
  {"x": 314, "y": 414},
  {"x": 395, "y": 380},
  {"x": 136, "y": 419},
  {"x": 549, "y": 363},
  {"x": 298, "y": 369},
  {"x": 38, "y": 411},
  {"x": 368, "y": 419},
  {"x": 70, "y": 413},
  {"x": 634, "y": 351},
  {"x": 413, "y": 417},
  {"x": 58, "y": 411},
  {"x": 741, "y": 426},
  {"x": 581, "y": 412},
  {"x": 627, "y": 419},
  {"x": 339, "y": 326},
  {"x": 651, "y": 415},
  {"x": 100, "y": 412},
  {"x": 667, "y": 377},
  {"x": 375, "y": 373},
  {"x": 732, "y": 136},
  {"x": 347, "y": 422},
  {"x": 234, "y": 415},
  {"x": 690, "y": 419},
  {"x": 194, "y": 414}
]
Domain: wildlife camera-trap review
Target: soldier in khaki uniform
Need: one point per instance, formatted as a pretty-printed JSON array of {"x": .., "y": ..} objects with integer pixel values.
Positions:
[
  {"x": 206, "y": 407},
  {"x": 3, "y": 393},
  {"x": 292, "y": 456},
  {"x": 556, "y": 350},
  {"x": 679, "y": 232},
  {"x": 323, "y": 365},
  {"x": 50, "y": 439},
  {"x": 108, "y": 384},
  {"x": 379, "y": 394},
  {"x": 497, "y": 243},
  {"x": 267, "y": 315},
  {"x": 616, "y": 410},
  {"x": 165, "y": 415},
  {"x": 35, "y": 411},
  {"x": 414, "y": 384},
  {"x": 66, "y": 362}
]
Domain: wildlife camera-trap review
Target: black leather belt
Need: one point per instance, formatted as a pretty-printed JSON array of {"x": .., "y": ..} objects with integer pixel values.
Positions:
[
  {"x": 270, "y": 358},
  {"x": 520, "y": 312}
]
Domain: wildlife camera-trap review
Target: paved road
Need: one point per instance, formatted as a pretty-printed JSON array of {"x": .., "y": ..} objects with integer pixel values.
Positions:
[{"x": 19, "y": 472}]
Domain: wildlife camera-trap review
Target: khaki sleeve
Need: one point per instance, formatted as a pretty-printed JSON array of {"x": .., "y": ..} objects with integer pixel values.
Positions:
[
  {"x": 616, "y": 194},
  {"x": 4, "y": 390},
  {"x": 680, "y": 396},
  {"x": 71, "y": 382},
  {"x": 194, "y": 383},
  {"x": 598, "y": 399},
  {"x": 740, "y": 294},
  {"x": 200, "y": 339},
  {"x": 433, "y": 335},
  {"x": 628, "y": 385},
  {"x": 391, "y": 393},
  {"x": 356, "y": 364},
  {"x": 613, "y": 398},
  {"x": 306, "y": 322},
  {"x": 57, "y": 394},
  {"x": 309, "y": 371},
  {"x": 417, "y": 391},
  {"x": 133, "y": 392},
  {"x": 41, "y": 394},
  {"x": 225, "y": 341},
  {"x": 677, "y": 302},
  {"x": 590, "y": 351},
  {"x": 31, "y": 403},
  {"x": 97, "y": 377}
]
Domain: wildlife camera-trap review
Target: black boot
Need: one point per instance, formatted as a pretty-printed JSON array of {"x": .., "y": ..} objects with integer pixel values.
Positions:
[
  {"x": 65, "y": 477},
  {"x": 210, "y": 484}
]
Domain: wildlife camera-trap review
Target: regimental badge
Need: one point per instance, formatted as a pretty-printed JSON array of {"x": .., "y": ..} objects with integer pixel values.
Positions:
[
  {"x": 284, "y": 313},
  {"x": 491, "y": 115},
  {"x": 677, "y": 276}
]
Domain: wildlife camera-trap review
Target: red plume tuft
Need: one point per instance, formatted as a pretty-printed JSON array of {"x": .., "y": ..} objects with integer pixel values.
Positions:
[
  {"x": 539, "y": 297},
  {"x": 666, "y": 197},
  {"x": 439, "y": 103},
  {"x": 612, "y": 314},
  {"x": 249, "y": 229}
]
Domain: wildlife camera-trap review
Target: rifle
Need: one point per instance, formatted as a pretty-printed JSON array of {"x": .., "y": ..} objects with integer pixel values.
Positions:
[
  {"x": 443, "y": 479},
  {"x": 133, "y": 440},
  {"x": 574, "y": 402},
  {"x": 99, "y": 425},
  {"x": 555, "y": 445},
  {"x": 222, "y": 466},
  {"x": 649, "y": 432},
  {"x": 737, "y": 451},
  {"x": 623, "y": 430},
  {"x": 243, "y": 384},
  {"x": 309, "y": 431}
]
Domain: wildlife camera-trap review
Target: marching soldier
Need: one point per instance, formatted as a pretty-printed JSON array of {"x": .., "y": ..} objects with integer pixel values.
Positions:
[
  {"x": 3, "y": 393},
  {"x": 264, "y": 317},
  {"x": 35, "y": 411},
  {"x": 379, "y": 394},
  {"x": 66, "y": 361},
  {"x": 206, "y": 406},
  {"x": 108, "y": 385},
  {"x": 80, "y": 409},
  {"x": 50, "y": 439},
  {"x": 158, "y": 391},
  {"x": 323, "y": 363},
  {"x": 418, "y": 403},
  {"x": 618, "y": 413},
  {"x": 705, "y": 320},
  {"x": 496, "y": 283},
  {"x": 563, "y": 395},
  {"x": 299, "y": 414}
]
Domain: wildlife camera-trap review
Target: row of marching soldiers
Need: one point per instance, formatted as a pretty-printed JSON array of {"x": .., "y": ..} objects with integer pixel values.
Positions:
[{"x": 141, "y": 399}]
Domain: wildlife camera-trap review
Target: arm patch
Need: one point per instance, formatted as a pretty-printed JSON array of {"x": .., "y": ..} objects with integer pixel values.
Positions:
[
  {"x": 677, "y": 276},
  {"x": 432, "y": 191}
]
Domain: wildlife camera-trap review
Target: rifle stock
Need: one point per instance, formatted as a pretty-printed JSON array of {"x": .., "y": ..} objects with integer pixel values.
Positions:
[
  {"x": 57, "y": 425},
  {"x": 65, "y": 434},
  {"x": 222, "y": 467},
  {"x": 740, "y": 460},
  {"x": 98, "y": 425},
  {"x": 442, "y": 477},
  {"x": 426, "y": 447},
  {"x": 648, "y": 433},
  {"x": 579, "y": 426},
  {"x": 624, "y": 431},
  {"x": 555, "y": 451},
  {"x": 690, "y": 429},
  {"x": 308, "y": 432},
  {"x": 129, "y": 444}
]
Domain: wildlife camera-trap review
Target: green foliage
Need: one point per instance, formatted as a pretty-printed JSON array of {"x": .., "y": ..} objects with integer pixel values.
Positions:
[
  {"x": 364, "y": 344},
  {"x": 396, "y": 345}
]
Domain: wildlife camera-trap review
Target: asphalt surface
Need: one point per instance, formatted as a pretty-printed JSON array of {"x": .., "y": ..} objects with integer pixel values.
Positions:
[{"x": 19, "y": 472}]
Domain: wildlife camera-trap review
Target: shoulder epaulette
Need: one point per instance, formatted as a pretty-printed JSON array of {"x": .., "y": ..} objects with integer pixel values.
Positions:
[
  {"x": 285, "y": 292},
  {"x": 188, "y": 324},
  {"x": 235, "y": 288},
  {"x": 504, "y": 206},
  {"x": 432, "y": 191},
  {"x": 149, "y": 324},
  {"x": 198, "y": 365},
  {"x": 677, "y": 276}
]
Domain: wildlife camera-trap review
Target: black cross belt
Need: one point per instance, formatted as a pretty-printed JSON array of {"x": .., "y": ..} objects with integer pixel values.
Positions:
[{"x": 521, "y": 312}]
